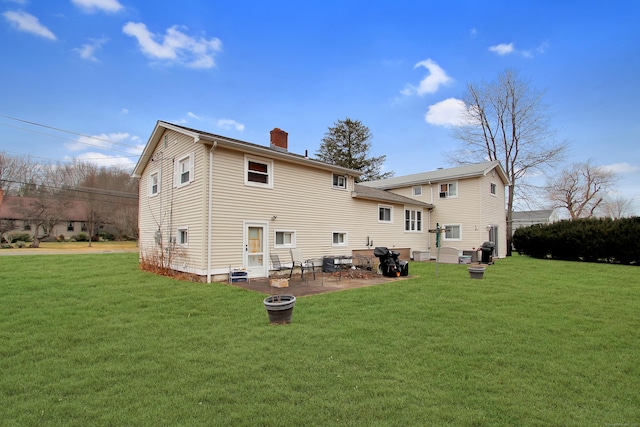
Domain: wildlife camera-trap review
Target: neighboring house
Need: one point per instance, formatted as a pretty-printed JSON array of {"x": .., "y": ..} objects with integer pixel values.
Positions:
[
  {"x": 468, "y": 201},
  {"x": 527, "y": 218},
  {"x": 13, "y": 208},
  {"x": 209, "y": 203}
]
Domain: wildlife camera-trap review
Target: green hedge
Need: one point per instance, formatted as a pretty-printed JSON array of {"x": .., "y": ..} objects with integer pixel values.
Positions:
[{"x": 593, "y": 240}]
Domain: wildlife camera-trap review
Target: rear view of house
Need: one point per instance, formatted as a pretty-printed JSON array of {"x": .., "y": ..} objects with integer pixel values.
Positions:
[{"x": 209, "y": 203}]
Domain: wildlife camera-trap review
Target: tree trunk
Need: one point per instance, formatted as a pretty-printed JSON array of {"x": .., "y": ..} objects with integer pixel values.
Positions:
[{"x": 510, "y": 220}]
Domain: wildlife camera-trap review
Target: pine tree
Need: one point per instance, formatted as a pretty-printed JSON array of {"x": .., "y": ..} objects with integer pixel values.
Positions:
[{"x": 347, "y": 144}]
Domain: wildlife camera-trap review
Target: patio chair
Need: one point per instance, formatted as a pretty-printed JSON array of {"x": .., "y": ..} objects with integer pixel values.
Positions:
[
  {"x": 278, "y": 266},
  {"x": 363, "y": 262},
  {"x": 305, "y": 264}
]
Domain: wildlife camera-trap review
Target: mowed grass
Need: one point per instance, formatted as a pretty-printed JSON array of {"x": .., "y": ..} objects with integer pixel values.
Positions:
[{"x": 92, "y": 340}]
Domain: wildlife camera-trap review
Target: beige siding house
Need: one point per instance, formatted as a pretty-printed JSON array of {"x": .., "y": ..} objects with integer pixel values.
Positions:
[
  {"x": 209, "y": 203},
  {"x": 469, "y": 203}
]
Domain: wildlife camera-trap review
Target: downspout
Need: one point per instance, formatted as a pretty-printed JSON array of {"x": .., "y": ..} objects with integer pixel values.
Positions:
[{"x": 210, "y": 210}]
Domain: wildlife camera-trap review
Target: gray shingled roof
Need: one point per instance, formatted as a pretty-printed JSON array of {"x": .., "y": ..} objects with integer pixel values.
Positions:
[
  {"x": 539, "y": 215},
  {"x": 363, "y": 192},
  {"x": 439, "y": 175}
]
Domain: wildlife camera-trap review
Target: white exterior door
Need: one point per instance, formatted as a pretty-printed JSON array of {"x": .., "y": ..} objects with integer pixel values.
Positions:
[{"x": 255, "y": 249}]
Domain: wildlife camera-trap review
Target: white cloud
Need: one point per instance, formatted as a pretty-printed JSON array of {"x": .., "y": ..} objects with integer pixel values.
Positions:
[
  {"x": 104, "y": 160},
  {"x": 105, "y": 141},
  {"x": 176, "y": 46},
  {"x": 228, "y": 124},
  {"x": 431, "y": 83},
  {"x": 91, "y": 6},
  {"x": 622, "y": 168},
  {"x": 28, "y": 23},
  {"x": 502, "y": 49},
  {"x": 88, "y": 50},
  {"x": 450, "y": 112}
]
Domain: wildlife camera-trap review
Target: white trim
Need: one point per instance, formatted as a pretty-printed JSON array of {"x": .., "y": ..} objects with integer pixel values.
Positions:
[
  {"x": 157, "y": 173},
  {"x": 447, "y": 194},
  {"x": 340, "y": 244},
  {"x": 390, "y": 207},
  {"x": 269, "y": 174},
  {"x": 493, "y": 185},
  {"x": 179, "y": 235},
  {"x": 417, "y": 190},
  {"x": 454, "y": 239},
  {"x": 177, "y": 178},
  {"x": 284, "y": 245},
  {"x": 414, "y": 221},
  {"x": 338, "y": 186}
]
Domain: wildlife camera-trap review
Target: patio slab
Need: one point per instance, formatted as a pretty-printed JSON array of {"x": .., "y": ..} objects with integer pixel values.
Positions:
[{"x": 323, "y": 283}]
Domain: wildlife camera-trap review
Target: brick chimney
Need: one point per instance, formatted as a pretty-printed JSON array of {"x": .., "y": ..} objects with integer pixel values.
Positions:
[{"x": 279, "y": 139}]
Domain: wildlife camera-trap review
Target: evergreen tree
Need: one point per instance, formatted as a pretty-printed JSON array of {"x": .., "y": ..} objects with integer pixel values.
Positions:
[{"x": 347, "y": 144}]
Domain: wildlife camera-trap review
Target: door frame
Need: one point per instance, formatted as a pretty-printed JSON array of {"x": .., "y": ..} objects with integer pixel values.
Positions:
[{"x": 257, "y": 271}]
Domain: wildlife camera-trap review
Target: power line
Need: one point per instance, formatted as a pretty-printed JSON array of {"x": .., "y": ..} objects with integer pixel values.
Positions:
[
  {"x": 62, "y": 130},
  {"x": 81, "y": 189}
]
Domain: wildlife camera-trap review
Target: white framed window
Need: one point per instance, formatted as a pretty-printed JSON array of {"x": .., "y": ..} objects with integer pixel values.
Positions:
[
  {"x": 450, "y": 189},
  {"x": 493, "y": 189},
  {"x": 339, "y": 181},
  {"x": 184, "y": 171},
  {"x": 413, "y": 220},
  {"x": 284, "y": 239},
  {"x": 182, "y": 237},
  {"x": 339, "y": 238},
  {"x": 258, "y": 172},
  {"x": 417, "y": 190},
  {"x": 452, "y": 232},
  {"x": 385, "y": 213},
  {"x": 154, "y": 183}
]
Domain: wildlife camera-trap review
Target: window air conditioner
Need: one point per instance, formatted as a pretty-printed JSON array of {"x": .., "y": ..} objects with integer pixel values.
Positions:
[{"x": 443, "y": 195}]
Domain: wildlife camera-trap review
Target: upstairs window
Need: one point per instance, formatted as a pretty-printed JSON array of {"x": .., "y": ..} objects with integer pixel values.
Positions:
[
  {"x": 493, "y": 189},
  {"x": 417, "y": 191},
  {"x": 258, "y": 172},
  {"x": 339, "y": 181},
  {"x": 184, "y": 171},
  {"x": 449, "y": 189},
  {"x": 385, "y": 213},
  {"x": 154, "y": 183}
]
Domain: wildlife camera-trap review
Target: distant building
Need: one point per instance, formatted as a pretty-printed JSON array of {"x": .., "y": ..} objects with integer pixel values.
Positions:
[{"x": 527, "y": 218}]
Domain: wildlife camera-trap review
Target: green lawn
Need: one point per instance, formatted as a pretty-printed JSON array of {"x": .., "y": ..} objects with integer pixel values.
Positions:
[{"x": 91, "y": 340}]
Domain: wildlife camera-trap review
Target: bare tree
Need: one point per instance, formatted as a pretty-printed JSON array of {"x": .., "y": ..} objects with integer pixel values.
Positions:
[
  {"x": 18, "y": 174},
  {"x": 618, "y": 207},
  {"x": 581, "y": 189},
  {"x": 506, "y": 120}
]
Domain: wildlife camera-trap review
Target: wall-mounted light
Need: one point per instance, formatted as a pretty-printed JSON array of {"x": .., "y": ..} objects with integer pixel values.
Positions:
[{"x": 273, "y": 218}]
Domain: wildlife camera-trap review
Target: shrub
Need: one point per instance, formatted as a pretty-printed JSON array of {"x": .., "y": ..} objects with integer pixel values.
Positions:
[
  {"x": 14, "y": 237},
  {"x": 80, "y": 237},
  {"x": 105, "y": 236},
  {"x": 21, "y": 244},
  {"x": 591, "y": 240}
]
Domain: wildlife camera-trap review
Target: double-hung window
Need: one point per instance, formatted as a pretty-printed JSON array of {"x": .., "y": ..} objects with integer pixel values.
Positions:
[
  {"x": 183, "y": 236},
  {"x": 493, "y": 189},
  {"x": 412, "y": 220},
  {"x": 184, "y": 170},
  {"x": 385, "y": 213},
  {"x": 417, "y": 190},
  {"x": 154, "y": 183},
  {"x": 258, "y": 172},
  {"x": 449, "y": 189}
]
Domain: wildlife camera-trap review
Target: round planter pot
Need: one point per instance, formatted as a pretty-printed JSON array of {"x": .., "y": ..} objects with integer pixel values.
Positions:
[
  {"x": 476, "y": 272},
  {"x": 280, "y": 308}
]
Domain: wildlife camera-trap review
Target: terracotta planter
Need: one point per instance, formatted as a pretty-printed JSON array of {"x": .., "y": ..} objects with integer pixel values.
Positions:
[
  {"x": 476, "y": 272},
  {"x": 280, "y": 308}
]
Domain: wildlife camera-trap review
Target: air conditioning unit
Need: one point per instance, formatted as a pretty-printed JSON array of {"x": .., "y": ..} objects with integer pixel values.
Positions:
[{"x": 443, "y": 195}]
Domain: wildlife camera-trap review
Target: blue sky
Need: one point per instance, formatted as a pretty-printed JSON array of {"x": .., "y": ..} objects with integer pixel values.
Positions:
[{"x": 111, "y": 68}]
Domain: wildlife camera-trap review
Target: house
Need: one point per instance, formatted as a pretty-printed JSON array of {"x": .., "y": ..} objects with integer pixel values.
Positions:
[
  {"x": 14, "y": 210},
  {"x": 468, "y": 202},
  {"x": 527, "y": 218},
  {"x": 209, "y": 203}
]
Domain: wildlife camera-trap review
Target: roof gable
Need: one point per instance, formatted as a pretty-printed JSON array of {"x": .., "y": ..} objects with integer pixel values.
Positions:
[
  {"x": 364, "y": 192},
  {"x": 230, "y": 143}
]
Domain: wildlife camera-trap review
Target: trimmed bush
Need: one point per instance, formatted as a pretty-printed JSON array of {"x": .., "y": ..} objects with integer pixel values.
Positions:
[
  {"x": 19, "y": 236},
  {"x": 592, "y": 240},
  {"x": 80, "y": 237}
]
